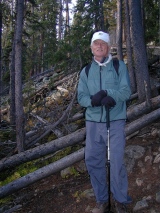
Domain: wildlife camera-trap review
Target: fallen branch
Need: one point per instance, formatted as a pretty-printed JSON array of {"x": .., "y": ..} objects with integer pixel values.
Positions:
[
  {"x": 57, "y": 132},
  {"x": 49, "y": 128}
]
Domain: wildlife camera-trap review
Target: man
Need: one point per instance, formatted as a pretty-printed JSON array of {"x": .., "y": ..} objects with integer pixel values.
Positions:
[{"x": 102, "y": 88}]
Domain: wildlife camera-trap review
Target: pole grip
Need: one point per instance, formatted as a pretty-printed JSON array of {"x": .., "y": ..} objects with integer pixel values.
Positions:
[{"x": 107, "y": 118}]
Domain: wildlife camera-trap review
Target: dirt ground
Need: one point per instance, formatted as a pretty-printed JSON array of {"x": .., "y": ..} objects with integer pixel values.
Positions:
[{"x": 57, "y": 195}]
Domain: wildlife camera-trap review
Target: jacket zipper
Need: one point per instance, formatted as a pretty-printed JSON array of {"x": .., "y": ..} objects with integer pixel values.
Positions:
[{"x": 101, "y": 89}]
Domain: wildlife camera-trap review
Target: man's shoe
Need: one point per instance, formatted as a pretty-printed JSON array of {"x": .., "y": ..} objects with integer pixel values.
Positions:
[
  {"x": 120, "y": 207},
  {"x": 100, "y": 208}
]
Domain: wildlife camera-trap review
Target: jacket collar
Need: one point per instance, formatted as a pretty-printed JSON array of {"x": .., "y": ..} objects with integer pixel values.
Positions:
[{"x": 105, "y": 62}]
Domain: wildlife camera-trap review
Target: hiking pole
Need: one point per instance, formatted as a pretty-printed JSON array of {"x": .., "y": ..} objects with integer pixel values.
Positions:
[{"x": 108, "y": 159}]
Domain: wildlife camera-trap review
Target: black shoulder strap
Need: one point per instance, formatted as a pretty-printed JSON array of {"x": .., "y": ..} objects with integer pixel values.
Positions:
[
  {"x": 116, "y": 64},
  {"x": 87, "y": 68}
]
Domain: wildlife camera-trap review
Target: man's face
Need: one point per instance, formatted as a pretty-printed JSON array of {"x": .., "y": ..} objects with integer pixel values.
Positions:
[{"x": 100, "y": 49}]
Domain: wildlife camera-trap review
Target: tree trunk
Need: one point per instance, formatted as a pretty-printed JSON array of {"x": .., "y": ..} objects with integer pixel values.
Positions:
[
  {"x": 129, "y": 48},
  {"x": 119, "y": 30},
  {"x": 101, "y": 14},
  {"x": 60, "y": 21},
  {"x": 12, "y": 87},
  {"x": 139, "y": 51},
  {"x": 96, "y": 17},
  {"x": 0, "y": 56},
  {"x": 20, "y": 119},
  {"x": 67, "y": 18}
]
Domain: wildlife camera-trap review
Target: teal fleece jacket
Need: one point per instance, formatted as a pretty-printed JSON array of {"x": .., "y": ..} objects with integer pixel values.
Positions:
[{"x": 104, "y": 78}]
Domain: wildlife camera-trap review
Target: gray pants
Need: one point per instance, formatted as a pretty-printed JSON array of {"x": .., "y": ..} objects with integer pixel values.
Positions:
[{"x": 96, "y": 158}]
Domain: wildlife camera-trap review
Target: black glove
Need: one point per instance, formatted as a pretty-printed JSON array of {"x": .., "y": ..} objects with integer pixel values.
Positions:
[
  {"x": 96, "y": 99},
  {"x": 108, "y": 101}
]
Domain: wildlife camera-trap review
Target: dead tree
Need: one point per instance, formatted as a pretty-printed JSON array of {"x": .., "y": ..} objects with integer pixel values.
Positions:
[
  {"x": 139, "y": 52},
  {"x": 0, "y": 56},
  {"x": 20, "y": 118},
  {"x": 129, "y": 47},
  {"x": 119, "y": 30}
]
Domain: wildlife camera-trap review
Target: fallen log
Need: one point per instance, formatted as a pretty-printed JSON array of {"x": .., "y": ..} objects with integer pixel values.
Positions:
[
  {"x": 141, "y": 109},
  {"x": 70, "y": 159},
  {"x": 42, "y": 150},
  {"x": 41, "y": 173},
  {"x": 142, "y": 122}
]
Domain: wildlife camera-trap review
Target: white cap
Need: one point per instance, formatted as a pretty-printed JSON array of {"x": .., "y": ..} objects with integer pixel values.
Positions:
[{"x": 101, "y": 35}]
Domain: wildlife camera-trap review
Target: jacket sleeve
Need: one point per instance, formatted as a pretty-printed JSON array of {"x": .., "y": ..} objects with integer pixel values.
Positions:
[
  {"x": 124, "y": 91},
  {"x": 83, "y": 92}
]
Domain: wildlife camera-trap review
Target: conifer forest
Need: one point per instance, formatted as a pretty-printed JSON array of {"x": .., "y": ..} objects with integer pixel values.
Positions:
[{"x": 43, "y": 47}]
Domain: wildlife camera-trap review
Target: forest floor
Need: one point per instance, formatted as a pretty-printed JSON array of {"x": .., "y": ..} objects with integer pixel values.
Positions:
[{"x": 57, "y": 195}]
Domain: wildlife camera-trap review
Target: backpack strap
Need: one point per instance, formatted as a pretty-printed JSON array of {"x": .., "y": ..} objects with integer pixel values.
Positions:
[
  {"x": 116, "y": 64},
  {"x": 87, "y": 68}
]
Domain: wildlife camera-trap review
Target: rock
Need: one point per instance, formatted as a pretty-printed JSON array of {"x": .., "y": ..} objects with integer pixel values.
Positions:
[
  {"x": 143, "y": 170},
  {"x": 149, "y": 197},
  {"x": 88, "y": 193},
  {"x": 149, "y": 186},
  {"x": 140, "y": 205},
  {"x": 81, "y": 167},
  {"x": 64, "y": 92},
  {"x": 153, "y": 211},
  {"x": 158, "y": 197},
  {"x": 155, "y": 153},
  {"x": 159, "y": 133},
  {"x": 140, "y": 164},
  {"x": 132, "y": 153},
  {"x": 88, "y": 209},
  {"x": 157, "y": 159},
  {"x": 139, "y": 182},
  {"x": 154, "y": 132},
  {"x": 148, "y": 158},
  {"x": 135, "y": 151},
  {"x": 65, "y": 172}
]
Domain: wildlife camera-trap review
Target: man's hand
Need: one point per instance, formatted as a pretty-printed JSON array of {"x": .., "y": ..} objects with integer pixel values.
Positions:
[
  {"x": 108, "y": 101},
  {"x": 97, "y": 98}
]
